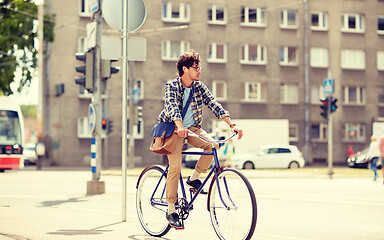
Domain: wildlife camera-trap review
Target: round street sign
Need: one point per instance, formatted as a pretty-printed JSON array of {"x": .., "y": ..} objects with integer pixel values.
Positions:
[
  {"x": 113, "y": 14},
  {"x": 92, "y": 117}
]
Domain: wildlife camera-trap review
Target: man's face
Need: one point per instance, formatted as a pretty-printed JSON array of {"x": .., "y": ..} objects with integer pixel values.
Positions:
[{"x": 194, "y": 72}]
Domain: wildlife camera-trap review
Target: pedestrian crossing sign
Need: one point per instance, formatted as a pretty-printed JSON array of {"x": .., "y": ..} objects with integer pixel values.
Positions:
[{"x": 328, "y": 86}]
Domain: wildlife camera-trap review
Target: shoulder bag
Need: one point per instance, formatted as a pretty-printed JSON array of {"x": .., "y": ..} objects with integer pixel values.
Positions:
[{"x": 164, "y": 136}]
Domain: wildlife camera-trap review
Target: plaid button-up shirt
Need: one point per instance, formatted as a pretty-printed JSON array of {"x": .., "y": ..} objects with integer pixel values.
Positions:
[{"x": 173, "y": 102}]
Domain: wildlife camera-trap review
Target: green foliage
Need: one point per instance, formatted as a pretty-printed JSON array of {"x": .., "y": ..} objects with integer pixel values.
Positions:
[
  {"x": 29, "y": 111},
  {"x": 18, "y": 30}
]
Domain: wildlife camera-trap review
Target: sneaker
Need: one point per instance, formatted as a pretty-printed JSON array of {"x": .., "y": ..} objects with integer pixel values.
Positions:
[
  {"x": 174, "y": 220},
  {"x": 196, "y": 184}
]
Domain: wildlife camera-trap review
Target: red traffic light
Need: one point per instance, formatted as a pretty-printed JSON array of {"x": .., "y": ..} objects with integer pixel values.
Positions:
[{"x": 104, "y": 123}]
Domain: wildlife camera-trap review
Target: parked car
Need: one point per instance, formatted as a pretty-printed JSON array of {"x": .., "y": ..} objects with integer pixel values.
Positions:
[
  {"x": 29, "y": 154},
  {"x": 270, "y": 156},
  {"x": 357, "y": 160},
  {"x": 191, "y": 160}
]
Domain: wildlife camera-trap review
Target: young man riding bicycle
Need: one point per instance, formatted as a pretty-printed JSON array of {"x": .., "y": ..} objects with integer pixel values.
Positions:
[{"x": 177, "y": 92}]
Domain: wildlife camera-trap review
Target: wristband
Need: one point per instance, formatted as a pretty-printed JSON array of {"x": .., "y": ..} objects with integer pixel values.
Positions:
[{"x": 232, "y": 125}]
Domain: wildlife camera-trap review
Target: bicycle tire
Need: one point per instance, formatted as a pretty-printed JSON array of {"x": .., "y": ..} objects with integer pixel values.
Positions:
[
  {"x": 239, "y": 221},
  {"x": 152, "y": 217}
]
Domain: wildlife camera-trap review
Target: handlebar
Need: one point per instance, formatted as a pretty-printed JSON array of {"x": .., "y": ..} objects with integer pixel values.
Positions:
[{"x": 190, "y": 133}]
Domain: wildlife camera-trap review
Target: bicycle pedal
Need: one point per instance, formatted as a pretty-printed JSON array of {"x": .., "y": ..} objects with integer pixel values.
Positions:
[
  {"x": 193, "y": 190},
  {"x": 178, "y": 228}
]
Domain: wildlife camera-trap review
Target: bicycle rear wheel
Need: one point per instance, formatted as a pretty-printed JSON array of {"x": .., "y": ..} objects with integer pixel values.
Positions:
[
  {"x": 151, "y": 212},
  {"x": 237, "y": 218}
]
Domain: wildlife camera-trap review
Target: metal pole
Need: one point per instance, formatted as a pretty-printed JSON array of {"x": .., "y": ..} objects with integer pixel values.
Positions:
[
  {"x": 306, "y": 83},
  {"x": 330, "y": 136},
  {"x": 131, "y": 149},
  {"x": 330, "y": 139},
  {"x": 97, "y": 96},
  {"x": 106, "y": 113},
  {"x": 124, "y": 109},
  {"x": 40, "y": 64}
]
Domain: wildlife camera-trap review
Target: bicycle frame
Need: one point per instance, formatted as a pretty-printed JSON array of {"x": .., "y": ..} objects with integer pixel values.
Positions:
[{"x": 214, "y": 170}]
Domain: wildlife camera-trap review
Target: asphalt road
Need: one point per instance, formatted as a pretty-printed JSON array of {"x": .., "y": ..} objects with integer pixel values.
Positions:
[{"x": 41, "y": 205}]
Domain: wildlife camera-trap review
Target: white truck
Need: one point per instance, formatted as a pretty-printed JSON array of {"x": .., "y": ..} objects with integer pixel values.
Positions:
[{"x": 257, "y": 132}]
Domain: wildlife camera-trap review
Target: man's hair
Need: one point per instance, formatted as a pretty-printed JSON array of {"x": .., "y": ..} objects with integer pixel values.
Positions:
[{"x": 187, "y": 59}]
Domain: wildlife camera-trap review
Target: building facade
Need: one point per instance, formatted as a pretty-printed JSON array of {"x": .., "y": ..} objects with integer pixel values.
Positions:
[{"x": 261, "y": 59}]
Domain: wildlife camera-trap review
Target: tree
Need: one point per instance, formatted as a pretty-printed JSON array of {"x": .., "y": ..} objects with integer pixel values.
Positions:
[{"x": 18, "y": 32}]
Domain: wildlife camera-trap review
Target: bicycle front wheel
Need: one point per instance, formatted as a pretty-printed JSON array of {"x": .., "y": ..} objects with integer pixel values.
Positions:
[
  {"x": 232, "y": 206},
  {"x": 151, "y": 204}
]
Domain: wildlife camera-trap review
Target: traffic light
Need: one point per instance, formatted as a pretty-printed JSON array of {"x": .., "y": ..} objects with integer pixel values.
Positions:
[
  {"x": 138, "y": 114},
  {"x": 110, "y": 126},
  {"x": 333, "y": 104},
  {"x": 324, "y": 107},
  {"x": 87, "y": 80},
  {"x": 104, "y": 124},
  {"x": 107, "y": 70}
]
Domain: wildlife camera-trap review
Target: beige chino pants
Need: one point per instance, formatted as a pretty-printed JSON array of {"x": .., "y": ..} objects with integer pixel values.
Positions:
[{"x": 174, "y": 160}]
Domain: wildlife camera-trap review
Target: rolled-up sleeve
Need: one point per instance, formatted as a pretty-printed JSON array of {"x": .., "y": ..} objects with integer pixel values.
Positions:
[{"x": 212, "y": 103}]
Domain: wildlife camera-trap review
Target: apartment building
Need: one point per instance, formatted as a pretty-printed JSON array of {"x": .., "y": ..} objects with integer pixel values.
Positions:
[{"x": 262, "y": 59}]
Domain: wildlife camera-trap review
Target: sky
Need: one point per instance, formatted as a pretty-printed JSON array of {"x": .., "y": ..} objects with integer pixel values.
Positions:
[{"x": 29, "y": 95}]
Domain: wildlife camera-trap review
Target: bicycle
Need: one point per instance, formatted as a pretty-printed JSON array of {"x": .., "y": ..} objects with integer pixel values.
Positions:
[{"x": 231, "y": 199}]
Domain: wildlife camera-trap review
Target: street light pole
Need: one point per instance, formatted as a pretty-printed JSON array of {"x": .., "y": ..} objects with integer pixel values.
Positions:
[{"x": 124, "y": 109}]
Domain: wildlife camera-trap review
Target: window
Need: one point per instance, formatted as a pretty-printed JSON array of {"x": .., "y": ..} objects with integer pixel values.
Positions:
[
  {"x": 319, "y": 21},
  {"x": 176, "y": 12},
  {"x": 84, "y": 8},
  {"x": 83, "y": 130},
  {"x": 380, "y": 24},
  {"x": 254, "y": 17},
  {"x": 217, "y": 53},
  {"x": 138, "y": 89},
  {"x": 381, "y": 95},
  {"x": 82, "y": 45},
  {"x": 352, "y": 59},
  {"x": 319, "y": 131},
  {"x": 255, "y": 91},
  {"x": 317, "y": 93},
  {"x": 288, "y": 56},
  {"x": 380, "y": 60},
  {"x": 219, "y": 90},
  {"x": 319, "y": 57},
  {"x": 138, "y": 129},
  {"x": 85, "y": 94},
  {"x": 352, "y": 23},
  {"x": 171, "y": 50},
  {"x": 253, "y": 54},
  {"x": 354, "y": 131},
  {"x": 289, "y": 93},
  {"x": 288, "y": 18},
  {"x": 293, "y": 132},
  {"x": 354, "y": 95},
  {"x": 217, "y": 14}
]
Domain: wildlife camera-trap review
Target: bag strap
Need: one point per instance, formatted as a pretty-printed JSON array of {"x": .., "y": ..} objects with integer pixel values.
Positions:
[{"x": 185, "y": 108}]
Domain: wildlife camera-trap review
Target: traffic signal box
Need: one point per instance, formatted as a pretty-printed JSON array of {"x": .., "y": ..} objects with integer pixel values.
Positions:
[
  {"x": 104, "y": 124},
  {"x": 333, "y": 104},
  {"x": 109, "y": 126},
  {"x": 107, "y": 70},
  {"x": 330, "y": 103},
  {"x": 87, "y": 80},
  {"x": 324, "y": 107}
]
